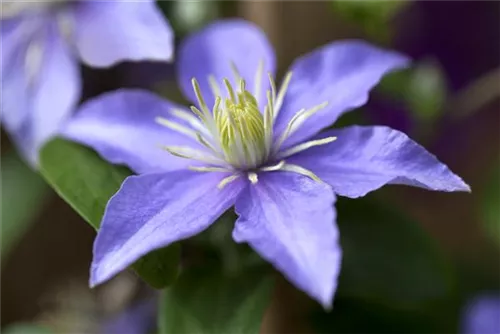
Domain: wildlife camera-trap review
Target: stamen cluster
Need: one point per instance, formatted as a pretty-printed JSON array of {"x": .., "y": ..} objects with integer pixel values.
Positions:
[
  {"x": 239, "y": 138},
  {"x": 241, "y": 129}
]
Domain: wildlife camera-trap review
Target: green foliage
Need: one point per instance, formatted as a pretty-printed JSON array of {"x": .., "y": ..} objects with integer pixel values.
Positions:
[
  {"x": 373, "y": 16},
  {"x": 388, "y": 259},
  {"x": 87, "y": 182},
  {"x": 395, "y": 85},
  {"x": 427, "y": 91},
  {"x": 393, "y": 278},
  {"x": 203, "y": 300},
  {"x": 187, "y": 16},
  {"x": 23, "y": 196},
  {"x": 160, "y": 267},
  {"x": 81, "y": 177},
  {"x": 25, "y": 328},
  {"x": 218, "y": 241},
  {"x": 357, "y": 316},
  {"x": 422, "y": 88},
  {"x": 490, "y": 205}
]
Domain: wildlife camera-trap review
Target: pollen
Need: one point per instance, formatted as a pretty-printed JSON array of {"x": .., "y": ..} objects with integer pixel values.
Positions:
[
  {"x": 237, "y": 133},
  {"x": 241, "y": 129}
]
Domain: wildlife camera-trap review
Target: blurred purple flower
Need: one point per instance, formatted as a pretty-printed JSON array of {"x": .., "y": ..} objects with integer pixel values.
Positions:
[
  {"x": 482, "y": 316},
  {"x": 257, "y": 149},
  {"x": 42, "y": 43},
  {"x": 138, "y": 319}
]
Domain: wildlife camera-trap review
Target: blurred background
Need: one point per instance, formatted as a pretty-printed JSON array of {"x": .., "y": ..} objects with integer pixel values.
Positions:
[{"x": 413, "y": 259}]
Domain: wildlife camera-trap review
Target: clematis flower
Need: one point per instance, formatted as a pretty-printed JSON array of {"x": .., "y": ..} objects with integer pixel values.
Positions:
[
  {"x": 246, "y": 144},
  {"x": 482, "y": 315},
  {"x": 42, "y": 44}
]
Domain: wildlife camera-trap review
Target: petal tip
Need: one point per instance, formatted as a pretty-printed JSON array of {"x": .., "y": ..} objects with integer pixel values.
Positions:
[
  {"x": 94, "y": 281},
  {"x": 100, "y": 273},
  {"x": 398, "y": 60},
  {"x": 454, "y": 185},
  {"x": 324, "y": 291},
  {"x": 326, "y": 297},
  {"x": 327, "y": 304},
  {"x": 464, "y": 187},
  {"x": 92, "y": 284},
  {"x": 458, "y": 184},
  {"x": 403, "y": 60}
]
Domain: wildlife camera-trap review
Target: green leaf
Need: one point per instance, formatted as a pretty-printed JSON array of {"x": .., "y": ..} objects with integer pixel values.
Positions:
[
  {"x": 159, "y": 268},
  {"x": 81, "y": 177},
  {"x": 379, "y": 10},
  {"x": 373, "y": 16},
  {"x": 24, "y": 194},
  {"x": 205, "y": 301},
  {"x": 426, "y": 91},
  {"x": 387, "y": 258},
  {"x": 357, "y": 316},
  {"x": 394, "y": 85},
  {"x": 218, "y": 243},
  {"x": 491, "y": 205},
  {"x": 188, "y": 16},
  {"x": 87, "y": 182},
  {"x": 26, "y": 328}
]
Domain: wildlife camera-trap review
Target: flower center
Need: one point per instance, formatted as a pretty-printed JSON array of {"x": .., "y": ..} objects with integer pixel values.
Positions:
[
  {"x": 237, "y": 136},
  {"x": 240, "y": 128}
]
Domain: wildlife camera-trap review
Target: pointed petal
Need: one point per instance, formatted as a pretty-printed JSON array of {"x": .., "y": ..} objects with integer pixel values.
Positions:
[
  {"x": 340, "y": 73},
  {"x": 363, "y": 159},
  {"x": 290, "y": 221},
  {"x": 121, "y": 127},
  {"x": 40, "y": 67},
  {"x": 151, "y": 211},
  {"x": 481, "y": 315},
  {"x": 109, "y": 32},
  {"x": 211, "y": 51}
]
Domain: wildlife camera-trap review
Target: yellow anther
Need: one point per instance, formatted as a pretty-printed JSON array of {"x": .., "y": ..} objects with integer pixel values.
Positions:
[
  {"x": 241, "y": 130},
  {"x": 235, "y": 136}
]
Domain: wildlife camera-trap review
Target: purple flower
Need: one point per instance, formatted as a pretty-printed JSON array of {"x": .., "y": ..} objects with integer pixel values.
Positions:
[
  {"x": 138, "y": 319},
  {"x": 482, "y": 316},
  {"x": 42, "y": 43},
  {"x": 251, "y": 146}
]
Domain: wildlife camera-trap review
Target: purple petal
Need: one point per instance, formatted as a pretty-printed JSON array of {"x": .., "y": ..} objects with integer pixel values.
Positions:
[
  {"x": 16, "y": 37},
  {"x": 151, "y": 211},
  {"x": 340, "y": 73},
  {"x": 121, "y": 127},
  {"x": 363, "y": 159},
  {"x": 59, "y": 89},
  {"x": 483, "y": 316},
  {"x": 108, "y": 32},
  {"x": 41, "y": 87},
  {"x": 289, "y": 220},
  {"x": 137, "y": 319},
  {"x": 211, "y": 51}
]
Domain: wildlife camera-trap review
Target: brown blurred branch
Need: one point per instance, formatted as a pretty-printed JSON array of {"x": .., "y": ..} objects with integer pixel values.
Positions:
[{"x": 476, "y": 95}]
